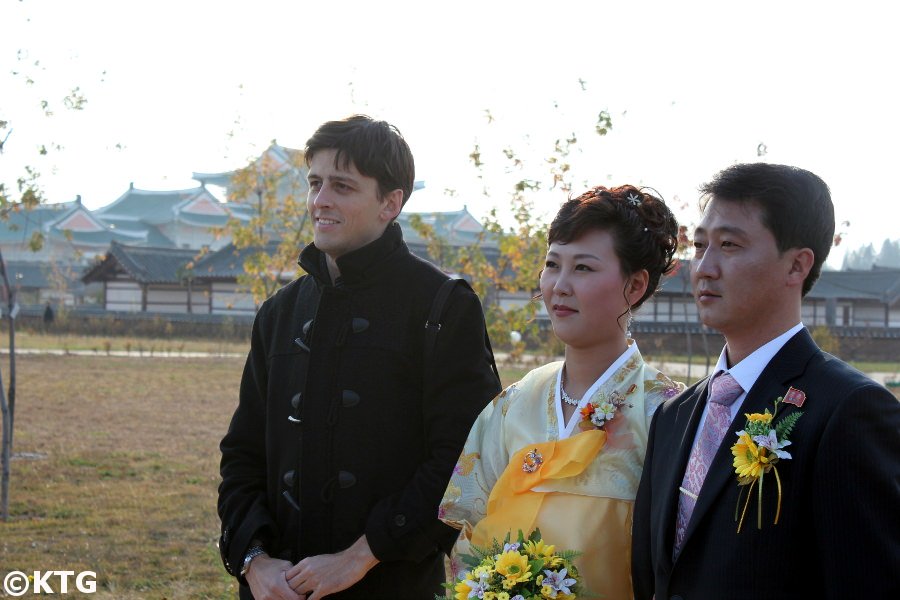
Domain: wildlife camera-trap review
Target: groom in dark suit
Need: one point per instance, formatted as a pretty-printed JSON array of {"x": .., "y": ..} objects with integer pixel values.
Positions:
[{"x": 835, "y": 488}]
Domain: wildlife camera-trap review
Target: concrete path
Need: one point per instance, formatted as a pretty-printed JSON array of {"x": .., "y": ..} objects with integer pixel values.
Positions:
[
  {"x": 134, "y": 353},
  {"x": 677, "y": 369},
  {"x": 697, "y": 368}
]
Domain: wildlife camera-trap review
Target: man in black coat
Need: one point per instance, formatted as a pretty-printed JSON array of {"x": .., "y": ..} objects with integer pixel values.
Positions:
[
  {"x": 835, "y": 488},
  {"x": 345, "y": 435}
]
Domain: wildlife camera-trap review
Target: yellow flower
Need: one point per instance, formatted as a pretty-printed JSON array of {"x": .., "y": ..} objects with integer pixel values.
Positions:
[
  {"x": 765, "y": 417},
  {"x": 539, "y": 549},
  {"x": 480, "y": 570},
  {"x": 544, "y": 552},
  {"x": 490, "y": 596},
  {"x": 502, "y": 596},
  {"x": 749, "y": 459},
  {"x": 513, "y": 566},
  {"x": 462, "y": 590},
  {"x": 547, "y": 591}
]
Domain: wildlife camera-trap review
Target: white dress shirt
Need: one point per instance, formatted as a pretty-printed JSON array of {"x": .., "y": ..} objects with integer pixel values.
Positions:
[{"x": 748, "y": 370}]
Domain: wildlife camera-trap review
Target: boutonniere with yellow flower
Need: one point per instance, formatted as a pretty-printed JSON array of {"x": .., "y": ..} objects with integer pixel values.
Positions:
[
  {"x": 759, "y": 447},
  {"x": 527, "y": 569}
]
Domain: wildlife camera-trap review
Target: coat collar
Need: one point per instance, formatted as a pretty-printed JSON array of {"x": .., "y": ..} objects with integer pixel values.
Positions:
[
  {"x": 784, "y": 368},
  {"x": 359, "y": 265}
]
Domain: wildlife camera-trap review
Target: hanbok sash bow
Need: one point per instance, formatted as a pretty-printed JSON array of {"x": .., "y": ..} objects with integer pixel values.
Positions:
[{"x": 513, "y": 503}]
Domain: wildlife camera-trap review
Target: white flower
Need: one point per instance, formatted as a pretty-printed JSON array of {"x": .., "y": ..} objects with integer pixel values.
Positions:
[
  {"x": 478, "y": 587},
  {"x": 608, "y": 409},
  {"x": 771, "y": 443}
]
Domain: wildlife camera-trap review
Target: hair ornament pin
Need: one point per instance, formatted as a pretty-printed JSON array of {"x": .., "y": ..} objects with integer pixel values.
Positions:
[
  {"x": 634, "y": 199},
  {"x": 646, "y": 230}
]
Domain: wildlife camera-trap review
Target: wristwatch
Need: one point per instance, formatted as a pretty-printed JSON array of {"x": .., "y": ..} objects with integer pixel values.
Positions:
[{"x": 252, "y": 553}]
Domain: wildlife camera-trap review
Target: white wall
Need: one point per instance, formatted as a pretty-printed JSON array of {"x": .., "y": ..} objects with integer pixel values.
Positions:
[
  {"x": 123, "y": 295},
  {"x": 231, "y": 299}
]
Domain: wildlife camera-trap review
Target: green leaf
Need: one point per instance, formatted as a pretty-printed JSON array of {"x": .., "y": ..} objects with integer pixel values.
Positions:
[
  {"x": 36, "y": 242},
  {"x": 569, "y": 555},
  {"x": 536, "y": 565},
  {"x": 784, "y": 427},
  {"x": 469, "y": 560}
]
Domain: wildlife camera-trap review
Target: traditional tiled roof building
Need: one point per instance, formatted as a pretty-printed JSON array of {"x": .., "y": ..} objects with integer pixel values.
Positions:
[
  {"x": 141, "y": 279},
  {"x": 160, "y": 252},
  {"x": 40, "y": 282},
  {"x": 218, "y": 273},
  {"x": 868, "y": 298},
  {"x": 855, "y": 299},
  {"x": 176, "y": 219},
  {"x": 190, "y": 280},
  {"x": 67, "y": 232},
  {"x": 284, "y": 166}
]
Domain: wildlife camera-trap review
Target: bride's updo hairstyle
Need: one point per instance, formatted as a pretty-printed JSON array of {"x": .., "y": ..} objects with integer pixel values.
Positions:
[{"x": 643, "y": 229}]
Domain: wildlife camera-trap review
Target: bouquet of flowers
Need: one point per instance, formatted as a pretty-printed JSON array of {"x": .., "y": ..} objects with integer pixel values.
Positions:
[{"x": 527, "y": 569}]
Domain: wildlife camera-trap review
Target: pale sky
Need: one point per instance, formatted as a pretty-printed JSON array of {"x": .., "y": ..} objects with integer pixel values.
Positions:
[{"x": 174, "y": 87}]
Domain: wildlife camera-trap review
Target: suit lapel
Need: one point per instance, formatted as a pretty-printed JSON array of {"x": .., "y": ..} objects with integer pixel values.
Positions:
[
  {"x": 687, "y": 418},
  {"x": 786, "y": 366}
]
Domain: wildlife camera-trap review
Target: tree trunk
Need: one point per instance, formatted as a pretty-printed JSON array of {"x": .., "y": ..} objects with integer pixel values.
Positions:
[
  {"x": 12, "y": 371},
  {"x": 689, "y": 342},
  {"x": 6, "y": 455},
  {"x": 7, "y": 408}
]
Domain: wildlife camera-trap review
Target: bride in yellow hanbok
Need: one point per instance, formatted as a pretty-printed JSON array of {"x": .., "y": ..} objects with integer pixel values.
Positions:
[{"x": 562, "y": 449}]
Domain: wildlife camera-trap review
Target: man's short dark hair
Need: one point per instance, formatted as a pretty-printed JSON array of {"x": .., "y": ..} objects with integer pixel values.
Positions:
[
  {"x": 795, "y": 203},
  {"x": 375, "y": 148}
]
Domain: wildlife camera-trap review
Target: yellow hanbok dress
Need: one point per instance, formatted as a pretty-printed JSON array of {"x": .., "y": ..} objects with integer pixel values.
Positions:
[{"x": 581, "y": 495}]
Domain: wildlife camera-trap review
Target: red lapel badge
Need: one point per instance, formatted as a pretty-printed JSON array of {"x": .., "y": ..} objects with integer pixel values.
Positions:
[{"x": 795, "y": 397}]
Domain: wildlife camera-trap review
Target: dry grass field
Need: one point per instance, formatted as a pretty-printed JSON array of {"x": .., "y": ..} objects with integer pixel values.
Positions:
[
  {"x": 117, "y": 469},
  {"x": 35, "y": 340},
  {"x": 125, "y": 479}
]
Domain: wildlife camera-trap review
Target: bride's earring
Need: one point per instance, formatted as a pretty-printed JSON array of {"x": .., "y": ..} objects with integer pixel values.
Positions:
[{"x": 628, "y": 324}]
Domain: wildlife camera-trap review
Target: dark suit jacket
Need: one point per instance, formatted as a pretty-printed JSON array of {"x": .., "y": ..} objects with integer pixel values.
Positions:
[{"x": 838, "y": 535}]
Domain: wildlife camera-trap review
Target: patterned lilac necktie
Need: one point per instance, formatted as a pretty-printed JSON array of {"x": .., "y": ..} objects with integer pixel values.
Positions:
[{"x": 723, "y": 391}]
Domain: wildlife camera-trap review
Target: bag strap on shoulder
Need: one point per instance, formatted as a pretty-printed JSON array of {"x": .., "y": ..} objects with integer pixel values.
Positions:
[{"x": 435, "y": 321}]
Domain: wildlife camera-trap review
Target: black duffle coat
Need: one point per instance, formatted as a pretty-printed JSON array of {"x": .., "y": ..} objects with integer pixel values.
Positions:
[{"x": 342, "y": 430}]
